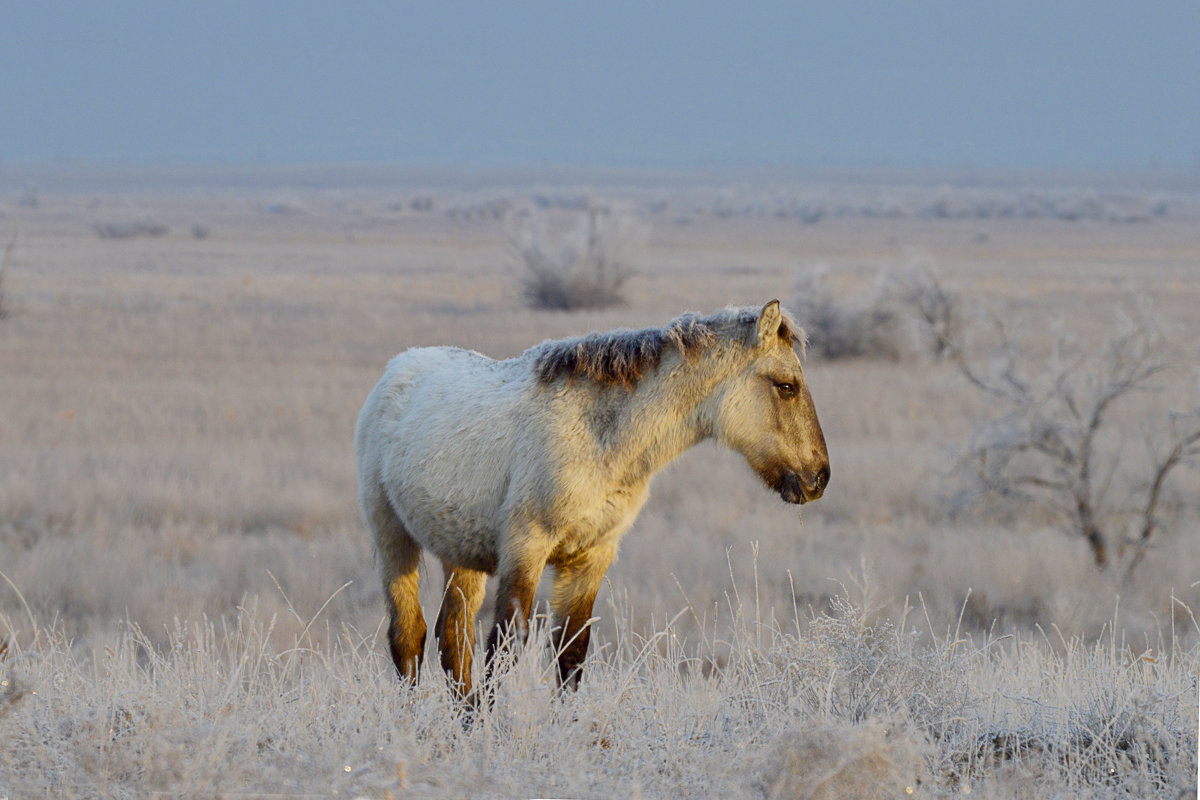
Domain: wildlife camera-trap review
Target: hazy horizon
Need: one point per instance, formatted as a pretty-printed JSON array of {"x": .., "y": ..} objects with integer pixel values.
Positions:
[{"x": 1024, "y": 85}]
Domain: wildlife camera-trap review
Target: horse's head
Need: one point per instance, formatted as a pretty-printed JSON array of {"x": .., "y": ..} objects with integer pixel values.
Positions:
[{"x": 767, "y": 414}]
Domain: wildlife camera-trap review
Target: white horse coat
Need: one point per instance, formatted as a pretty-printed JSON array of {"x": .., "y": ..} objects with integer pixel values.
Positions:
[{"x": 500, "y": 467}]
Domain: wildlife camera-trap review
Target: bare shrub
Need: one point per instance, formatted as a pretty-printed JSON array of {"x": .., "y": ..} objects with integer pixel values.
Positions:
[
  {"x": 854, "y": 667},
  {"x": 866, "y": 325},
  {"x": 482, "y": 211},
  {"x": 903, "y": 313},
  {"x": 286, "y": 207},
  {"x": 31, "y": 197},
  {"x": 936, "y": 311},
  {"x": 586, "y": 268},
  {"x": 422, "y": 203},
  {"x": 146, "y": 226},
  {"x": 1051, "y": 444}
]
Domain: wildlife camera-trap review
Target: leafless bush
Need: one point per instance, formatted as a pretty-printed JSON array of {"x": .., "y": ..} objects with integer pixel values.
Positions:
[
  {"x": 481, "y": 211},
  {"x": 866, "y": 325},
  {"x": 813, "y": 205},
  {"x": 936, "y": 311},
  {"x": 286, "y": 207},
  {"x": 903, "y": 313},
  {"x": 587, "y": 268},
  {"x": 1051, "y": 443},
  {"x": 146, "y": 226},
  {"x": 31, "y": 197}
]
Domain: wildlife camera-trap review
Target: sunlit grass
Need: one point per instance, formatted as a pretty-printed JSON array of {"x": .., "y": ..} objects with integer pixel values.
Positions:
[{"x": 856, "y": 705}]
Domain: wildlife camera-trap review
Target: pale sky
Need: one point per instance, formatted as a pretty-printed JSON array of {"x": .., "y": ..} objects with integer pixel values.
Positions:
[{"x": 1015, "y": 84}]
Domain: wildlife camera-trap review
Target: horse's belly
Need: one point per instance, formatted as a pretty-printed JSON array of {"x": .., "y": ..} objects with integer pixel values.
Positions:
[
  {"x": 456, "y": 526},
  {"x": 470, "y": 547}
]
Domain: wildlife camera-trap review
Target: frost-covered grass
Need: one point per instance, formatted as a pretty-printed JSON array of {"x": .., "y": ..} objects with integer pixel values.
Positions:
[{"x": 843, "y": 704}]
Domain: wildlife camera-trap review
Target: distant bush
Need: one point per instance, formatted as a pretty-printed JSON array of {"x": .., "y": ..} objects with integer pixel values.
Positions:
[
  {"x": 481, "y": 211},
  {"x": 286, "y": 207},
  {"x": 901, "y": 314},
  {"x": 868, "y": 324},
  {"x": 814, "y": 205},
  {"x": 31, "y": 197},
  {"x": 146, "y": 226},
  {"x": 586, "y": 268}
]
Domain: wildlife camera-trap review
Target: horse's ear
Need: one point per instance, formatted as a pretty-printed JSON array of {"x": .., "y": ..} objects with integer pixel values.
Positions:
[{"x": 769, "y": 321}]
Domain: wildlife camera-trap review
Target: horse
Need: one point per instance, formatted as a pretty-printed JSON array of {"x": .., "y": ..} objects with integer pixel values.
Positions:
[{"x": 502, "y": 467}]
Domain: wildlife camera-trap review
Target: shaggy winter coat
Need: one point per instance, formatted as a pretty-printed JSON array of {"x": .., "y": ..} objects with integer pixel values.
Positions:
[{"x": 503, "y": 467}]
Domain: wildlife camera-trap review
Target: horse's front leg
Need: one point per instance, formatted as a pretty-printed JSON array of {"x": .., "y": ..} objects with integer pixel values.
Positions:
[
  {"x": 575, "y": 586},
  {"x": 520, "y": 570}
]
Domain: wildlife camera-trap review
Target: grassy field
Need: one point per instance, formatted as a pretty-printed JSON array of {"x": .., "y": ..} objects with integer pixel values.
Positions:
[{"x": 189, "y": 603}]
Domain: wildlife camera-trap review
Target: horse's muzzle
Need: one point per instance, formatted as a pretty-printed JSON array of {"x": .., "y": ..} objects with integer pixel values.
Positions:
[{"x": 795, "y": 489}]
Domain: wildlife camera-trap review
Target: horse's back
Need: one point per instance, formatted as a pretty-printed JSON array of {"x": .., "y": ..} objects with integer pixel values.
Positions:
[
  {"x": 436, "y": 439},
  {"x": 389, "y": 401}
]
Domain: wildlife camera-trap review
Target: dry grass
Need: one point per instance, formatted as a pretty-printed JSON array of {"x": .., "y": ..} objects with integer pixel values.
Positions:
[
  {"x": 177, "y": 493},
  {"x": 851, "y": 708}
]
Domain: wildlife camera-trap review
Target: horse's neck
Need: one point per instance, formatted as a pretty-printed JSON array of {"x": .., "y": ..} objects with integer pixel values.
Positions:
[{"x": 665, "y": 419}]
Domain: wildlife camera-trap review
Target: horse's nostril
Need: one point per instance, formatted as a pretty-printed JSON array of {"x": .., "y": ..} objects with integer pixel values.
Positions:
[{"x": 819, "y": 481}]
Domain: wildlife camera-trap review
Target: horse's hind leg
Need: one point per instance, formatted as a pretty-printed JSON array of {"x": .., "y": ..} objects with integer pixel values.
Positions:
[
  {"x": 456, "y": 623},
  {"x": 399, "y": 559}
]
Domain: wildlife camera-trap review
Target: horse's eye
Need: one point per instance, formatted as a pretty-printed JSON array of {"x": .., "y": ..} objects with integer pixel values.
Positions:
[{"x": 786, "y": 390}]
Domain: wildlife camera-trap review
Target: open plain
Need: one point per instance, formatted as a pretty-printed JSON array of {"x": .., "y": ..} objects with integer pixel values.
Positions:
[{"x": 189, "y": 602}]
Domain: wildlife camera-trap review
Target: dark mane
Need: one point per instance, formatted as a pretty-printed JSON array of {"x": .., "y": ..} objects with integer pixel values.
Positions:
[{"x": 623, "y": 357}]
